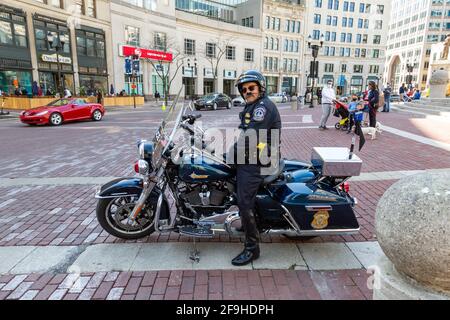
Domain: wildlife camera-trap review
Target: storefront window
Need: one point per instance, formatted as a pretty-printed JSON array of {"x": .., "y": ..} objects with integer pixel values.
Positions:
[
  {"x": 9, "y": 80},
  {"x": 90, "y": 84},
  {"x": 129, "y": 82},
  {"x": 90, "y": 44}
]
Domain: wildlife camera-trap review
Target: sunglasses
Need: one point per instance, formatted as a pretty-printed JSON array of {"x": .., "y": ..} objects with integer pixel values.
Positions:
[{"x": 249, "y": 89}]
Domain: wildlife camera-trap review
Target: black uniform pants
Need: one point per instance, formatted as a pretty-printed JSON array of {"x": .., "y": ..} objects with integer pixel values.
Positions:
[
  {"x": 249, "y": 180},
  {"x": 372, "y": 117}
]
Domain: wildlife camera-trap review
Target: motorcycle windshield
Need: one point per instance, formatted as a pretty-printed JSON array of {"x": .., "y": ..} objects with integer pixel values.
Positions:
[{"x": 166, "y": 131}]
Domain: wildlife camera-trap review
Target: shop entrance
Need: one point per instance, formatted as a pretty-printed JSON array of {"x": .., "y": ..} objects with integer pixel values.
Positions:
[
  {"x": 50, "y": 85},
  {"x": 228, "y": 88},
  {"x": 189, "y": 87}
]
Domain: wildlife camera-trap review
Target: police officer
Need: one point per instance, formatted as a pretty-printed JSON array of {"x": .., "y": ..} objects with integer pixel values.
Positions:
[{"x": 259, "y": 113}]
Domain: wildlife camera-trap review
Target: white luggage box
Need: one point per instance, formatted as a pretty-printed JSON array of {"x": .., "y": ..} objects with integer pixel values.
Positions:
[{"x": 335, "y": 162}]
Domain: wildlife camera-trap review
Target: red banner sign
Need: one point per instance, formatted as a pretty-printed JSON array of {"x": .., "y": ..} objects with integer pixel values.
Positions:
[{"x": 147, "y": 53}]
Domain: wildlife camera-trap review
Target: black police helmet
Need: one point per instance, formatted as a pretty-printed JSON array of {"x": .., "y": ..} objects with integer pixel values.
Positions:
[{"x": 251, "y": 76}]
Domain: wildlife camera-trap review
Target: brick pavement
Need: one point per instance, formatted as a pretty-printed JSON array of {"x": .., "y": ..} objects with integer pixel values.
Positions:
[
  {"x": 48, "y": 215},
  {"x": 65, "y": 215},
  {"x": 190, "y": 285}
]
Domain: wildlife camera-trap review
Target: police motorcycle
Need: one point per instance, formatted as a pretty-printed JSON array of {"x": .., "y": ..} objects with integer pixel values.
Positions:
[{"x": 299, "y": 199}]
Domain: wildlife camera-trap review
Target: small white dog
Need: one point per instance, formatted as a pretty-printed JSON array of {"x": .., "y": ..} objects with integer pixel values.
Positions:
[{"x": 373, "y": 131}]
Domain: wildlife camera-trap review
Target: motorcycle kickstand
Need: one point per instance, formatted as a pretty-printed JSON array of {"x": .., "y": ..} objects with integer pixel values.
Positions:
[{"x": 195, "y": 254}]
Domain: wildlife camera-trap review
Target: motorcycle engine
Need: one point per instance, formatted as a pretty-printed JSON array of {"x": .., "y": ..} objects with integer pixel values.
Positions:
[{"x": 212, "y": 194}]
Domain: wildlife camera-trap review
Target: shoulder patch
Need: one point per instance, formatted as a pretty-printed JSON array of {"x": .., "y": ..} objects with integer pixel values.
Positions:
[{"x": 259, "y": 114}]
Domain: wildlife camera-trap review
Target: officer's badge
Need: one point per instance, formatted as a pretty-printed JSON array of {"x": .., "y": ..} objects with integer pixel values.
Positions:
[
  {"x": 320, "y": 220},
  {"x": 259, "y": 114}
]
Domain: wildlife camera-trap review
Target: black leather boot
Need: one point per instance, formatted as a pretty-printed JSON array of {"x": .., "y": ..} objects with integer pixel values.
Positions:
[{"x": 251, "y": 249}]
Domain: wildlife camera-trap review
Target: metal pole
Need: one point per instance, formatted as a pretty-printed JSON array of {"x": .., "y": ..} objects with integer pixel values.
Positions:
[
  {"x": 59, "y": 73},
  {"x": 313, "y": 81}
]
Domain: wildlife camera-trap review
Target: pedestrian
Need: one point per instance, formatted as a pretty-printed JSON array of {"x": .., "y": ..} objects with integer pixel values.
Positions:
[
  {"x": 99, "y": 97},
  {"x": 17, "y": 92},
  {"x": 40, "y": 91},
  {"x": 67, "y": 93},
  {"x": 319, "y": 95},
  {"x": 35, "y": 89},
  {"x": 157, "y": 96},
  {"x": 260, "y": 114},
  {"x": 328, "y": 99},
  {"x": 402, "y": 93},
  {"x": 387, "y": 98},
  {"x": 417, "y": 95},
  {"x": 353, "y": 107},
  {"x": 48, "y": 92},
  {"x": 374, "y": 99}
]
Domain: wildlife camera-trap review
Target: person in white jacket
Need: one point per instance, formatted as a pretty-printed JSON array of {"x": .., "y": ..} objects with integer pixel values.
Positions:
[{"x": 328, "y": 98}]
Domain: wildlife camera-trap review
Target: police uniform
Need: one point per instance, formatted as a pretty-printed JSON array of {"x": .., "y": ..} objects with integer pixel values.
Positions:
[{"x": 263, "y": 114}]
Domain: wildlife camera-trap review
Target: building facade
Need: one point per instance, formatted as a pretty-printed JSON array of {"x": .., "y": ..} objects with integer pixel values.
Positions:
[
  {"x": 209, "y": 45},
  {"x": 57, "y": 44},
  {"x": 284, "y": 28},
  {"x": 354, "y": 42},
  {"x": 415, "y": 26}
]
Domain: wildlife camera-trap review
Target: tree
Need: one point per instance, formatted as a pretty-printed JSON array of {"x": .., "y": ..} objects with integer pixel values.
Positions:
[
  {"x": 215, "y": 51},
  {"x": 169, "y": 73}
]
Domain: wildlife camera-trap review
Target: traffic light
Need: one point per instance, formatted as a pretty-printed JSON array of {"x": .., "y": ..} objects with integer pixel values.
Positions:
[{"x": 136, "y": 65}]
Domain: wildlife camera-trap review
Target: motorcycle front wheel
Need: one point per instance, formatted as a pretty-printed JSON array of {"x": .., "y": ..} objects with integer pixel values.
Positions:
[{"x": 113, "y": 214}]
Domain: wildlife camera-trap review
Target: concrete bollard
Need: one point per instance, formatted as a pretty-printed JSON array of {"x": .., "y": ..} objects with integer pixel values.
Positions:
[{"x": 412, "y": 226}]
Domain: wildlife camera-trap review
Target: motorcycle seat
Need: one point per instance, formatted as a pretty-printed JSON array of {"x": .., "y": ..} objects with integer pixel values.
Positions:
[{"x": 269, "y": 179}]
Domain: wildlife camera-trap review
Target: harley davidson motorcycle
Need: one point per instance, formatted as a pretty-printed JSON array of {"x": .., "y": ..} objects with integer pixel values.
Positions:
[{"x": 300, "y": 199}]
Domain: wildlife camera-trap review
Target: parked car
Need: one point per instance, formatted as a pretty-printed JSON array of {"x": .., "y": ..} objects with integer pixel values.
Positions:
[
  {"x": 238, "y": 102},
  {"x": 63, "y": 110},
  {"x": 279, "y": 97},
  {"x": 213, "y": 101}
]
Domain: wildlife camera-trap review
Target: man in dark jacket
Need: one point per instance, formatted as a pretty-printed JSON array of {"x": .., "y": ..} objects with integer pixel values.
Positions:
[
  {"x": 260, "y": 115},
  {"x": 387, "y": 98}
]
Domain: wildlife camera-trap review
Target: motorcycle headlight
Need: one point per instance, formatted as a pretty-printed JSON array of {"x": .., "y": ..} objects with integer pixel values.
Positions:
[
  {"x": 41, "y": 113},
  {"x": 143, "y": 167}
]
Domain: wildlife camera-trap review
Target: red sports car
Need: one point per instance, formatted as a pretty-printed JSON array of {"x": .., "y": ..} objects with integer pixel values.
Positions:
[{"x": 63, "y": 110}]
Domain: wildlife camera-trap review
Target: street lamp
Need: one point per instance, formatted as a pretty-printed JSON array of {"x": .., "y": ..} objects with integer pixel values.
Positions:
[
  {"x": 59, "y": 46},
  {"x": 314, "y": 69},
  {"x": 410, "y": 69}
]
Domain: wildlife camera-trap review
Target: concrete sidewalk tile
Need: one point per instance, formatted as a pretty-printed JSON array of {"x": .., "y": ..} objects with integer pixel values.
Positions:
[
  {"x": 328, "y": 256},
  {"x": 215, "y": 256},
  {"x": 43, "y": 259},
  {"x": 106, "y": 257},
  {"x": 368, "y": 253},
  {"x": 11, "y": 256},
  {"x": 279, "y": 256},
  {"x": 163, "y": 256}
]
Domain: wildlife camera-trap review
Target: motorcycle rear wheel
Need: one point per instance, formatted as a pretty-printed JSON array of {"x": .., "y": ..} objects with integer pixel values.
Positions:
[{"x": 112, "y": 215}]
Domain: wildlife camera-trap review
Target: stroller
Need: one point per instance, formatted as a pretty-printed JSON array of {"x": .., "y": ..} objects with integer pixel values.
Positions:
[{"x": 341, "y": 111}]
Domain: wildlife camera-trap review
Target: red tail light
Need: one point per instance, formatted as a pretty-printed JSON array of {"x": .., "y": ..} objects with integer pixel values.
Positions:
[
  {"x": 136, "y": 167},
  {"x": 346, "y": 186}
]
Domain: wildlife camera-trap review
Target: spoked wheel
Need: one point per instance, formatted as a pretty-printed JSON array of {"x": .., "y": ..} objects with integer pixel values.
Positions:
[
  {"x": 56, "y": 119},
  {"x": 97, "y": 115},
  {"x": 114, "y": 216},
  {"x": 337, "y": 126}
]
